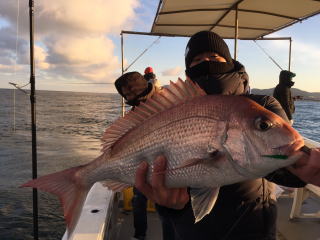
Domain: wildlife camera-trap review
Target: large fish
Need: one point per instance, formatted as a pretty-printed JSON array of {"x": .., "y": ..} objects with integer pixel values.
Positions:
[{"x": 208, "y": 140}]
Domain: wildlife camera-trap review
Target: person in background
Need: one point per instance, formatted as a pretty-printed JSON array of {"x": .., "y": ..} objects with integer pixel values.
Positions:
[
  {"x": 151, "y": 77},
  {"x": 245, "y": 210},
  {"x": 282, "y": 93},
  {"x": 135, "y": 88}
]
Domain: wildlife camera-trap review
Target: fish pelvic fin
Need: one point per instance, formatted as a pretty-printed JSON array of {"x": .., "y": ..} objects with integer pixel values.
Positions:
[
  {"x": 168, "y": 97},
  {"x": 202, "y": 201},
  {"x": 70, "y": 190}
]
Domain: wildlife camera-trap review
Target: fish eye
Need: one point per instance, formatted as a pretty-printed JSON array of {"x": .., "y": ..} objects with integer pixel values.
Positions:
[{"x": 263, "y": 124}]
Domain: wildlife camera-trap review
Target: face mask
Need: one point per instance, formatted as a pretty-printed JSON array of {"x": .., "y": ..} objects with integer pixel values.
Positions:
[
  {"x": 209, "y": 68},
  {"x": 216, "y": 78},
  {"x": 220, "y": 84}
]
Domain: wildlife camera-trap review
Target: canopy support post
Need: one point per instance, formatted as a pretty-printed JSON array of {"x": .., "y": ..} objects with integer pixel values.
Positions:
[
  {"x": 236, "y": 33},
  {"x": 290, "y": 41}
]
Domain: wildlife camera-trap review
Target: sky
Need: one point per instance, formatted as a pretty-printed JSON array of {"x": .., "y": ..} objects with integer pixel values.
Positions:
[{"x": 78, "y": 47}]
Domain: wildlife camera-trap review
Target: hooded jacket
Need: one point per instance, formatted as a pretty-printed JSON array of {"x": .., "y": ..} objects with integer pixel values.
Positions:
[
  {"x": 245, "y": 210},
  {"x": 282, "y": 93}
]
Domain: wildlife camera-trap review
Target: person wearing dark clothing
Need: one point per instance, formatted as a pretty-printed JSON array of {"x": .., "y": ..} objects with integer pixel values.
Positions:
[
  {"x": 245, "y": 210},
  {"x": 136, "y": 88},
  {"x": 151, "y": 77},
  {"x": 139, "y": 208},
  {"x": 282, "y": 92},
  {"x": 148, "y": 74}
]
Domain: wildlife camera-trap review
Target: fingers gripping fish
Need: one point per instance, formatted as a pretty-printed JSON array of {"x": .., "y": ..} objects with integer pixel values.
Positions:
[{"x": 208, "y": 140}]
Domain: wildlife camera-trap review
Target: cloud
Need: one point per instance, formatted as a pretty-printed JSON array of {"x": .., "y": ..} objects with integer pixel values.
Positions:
[
  {"x": 172, "y": 71},
  {"x": 72, "y": 16},
  {"x": 40, "y": 58},
  {"x": 301, "y": 52},
  {"x": 72, "y": 37},
  {"x": 307, "y": 52}
]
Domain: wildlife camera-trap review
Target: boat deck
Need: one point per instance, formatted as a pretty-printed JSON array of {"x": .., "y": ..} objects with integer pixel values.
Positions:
[
  {"x": 126, "y": 230},
  {"x": 306, "y": 229}
]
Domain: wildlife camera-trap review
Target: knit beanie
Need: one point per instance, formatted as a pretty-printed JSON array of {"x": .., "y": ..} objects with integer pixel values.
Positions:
[{"x": 206, "y": 41}]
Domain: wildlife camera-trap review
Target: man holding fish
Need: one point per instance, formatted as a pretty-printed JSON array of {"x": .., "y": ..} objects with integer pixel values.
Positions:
[
  {"x": 245, "y": 210},
  {"x": 212, "y": 137}
]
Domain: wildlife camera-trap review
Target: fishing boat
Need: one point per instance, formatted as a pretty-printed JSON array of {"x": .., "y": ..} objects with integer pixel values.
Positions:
[{"x": 102, "y": 216}]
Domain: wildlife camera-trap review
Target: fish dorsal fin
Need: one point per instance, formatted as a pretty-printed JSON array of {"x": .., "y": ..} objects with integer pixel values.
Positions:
[{"x": 167, "y": 97}]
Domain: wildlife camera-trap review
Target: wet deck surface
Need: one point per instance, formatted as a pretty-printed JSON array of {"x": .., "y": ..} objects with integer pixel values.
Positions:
[{"x": 287, "y": 230}]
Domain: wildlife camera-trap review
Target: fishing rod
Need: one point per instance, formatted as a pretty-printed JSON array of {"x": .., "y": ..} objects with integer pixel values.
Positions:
[
  {"x": 265, "y": 52},
  {"x": 33, "y": 120},
  {"x": 155, "y": 41}
]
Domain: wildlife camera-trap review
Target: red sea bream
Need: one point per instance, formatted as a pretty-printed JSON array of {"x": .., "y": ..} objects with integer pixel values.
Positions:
[{"x": 208, "y": 140}]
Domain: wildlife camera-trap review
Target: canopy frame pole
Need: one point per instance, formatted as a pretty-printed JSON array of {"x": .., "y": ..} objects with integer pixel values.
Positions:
[
  {"x": 122, "y": 71},
  {"x": 236, "y": 32},
  {"x": 33, "y": 120},
  {"x": 290, "y": 42}
]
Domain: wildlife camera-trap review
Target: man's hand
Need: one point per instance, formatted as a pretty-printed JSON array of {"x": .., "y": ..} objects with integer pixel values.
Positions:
[
  {"x": 307, "y": 168},
  {"x": 175, "y": 198}
]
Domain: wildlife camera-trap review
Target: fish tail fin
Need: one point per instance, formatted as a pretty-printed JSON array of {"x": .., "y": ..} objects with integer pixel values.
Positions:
[{"x": 70, "y": 189}]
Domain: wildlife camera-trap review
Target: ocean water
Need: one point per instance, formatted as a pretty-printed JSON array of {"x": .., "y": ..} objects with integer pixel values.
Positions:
[{"x": 69, "y": 126}]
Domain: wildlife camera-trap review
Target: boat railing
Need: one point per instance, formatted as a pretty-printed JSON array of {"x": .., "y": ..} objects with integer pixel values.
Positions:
[{"x": 98, "y": 219}]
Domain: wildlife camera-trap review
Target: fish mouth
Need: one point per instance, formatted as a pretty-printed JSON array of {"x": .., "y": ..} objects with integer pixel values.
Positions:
[{"x": 291, "y": 148}]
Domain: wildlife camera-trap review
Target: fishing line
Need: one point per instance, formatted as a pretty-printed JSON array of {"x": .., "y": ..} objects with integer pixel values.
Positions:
[
  {"x": 155, "y": 41},
  {"x": 265, "y": 52}
]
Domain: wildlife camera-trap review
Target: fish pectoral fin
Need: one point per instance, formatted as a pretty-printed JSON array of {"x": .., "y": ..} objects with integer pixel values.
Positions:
[
  {"x": 115, "y": 186},
  {"x": 202, "y": 201}
]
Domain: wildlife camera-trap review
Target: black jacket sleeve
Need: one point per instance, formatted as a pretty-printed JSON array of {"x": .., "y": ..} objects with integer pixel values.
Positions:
[
  {"x": 281, "y": 176},
  {"x": 283, "y": 95}
]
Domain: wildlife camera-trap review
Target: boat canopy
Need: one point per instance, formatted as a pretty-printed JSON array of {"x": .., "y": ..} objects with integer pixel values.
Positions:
[{"x": 254, "y": 18}]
